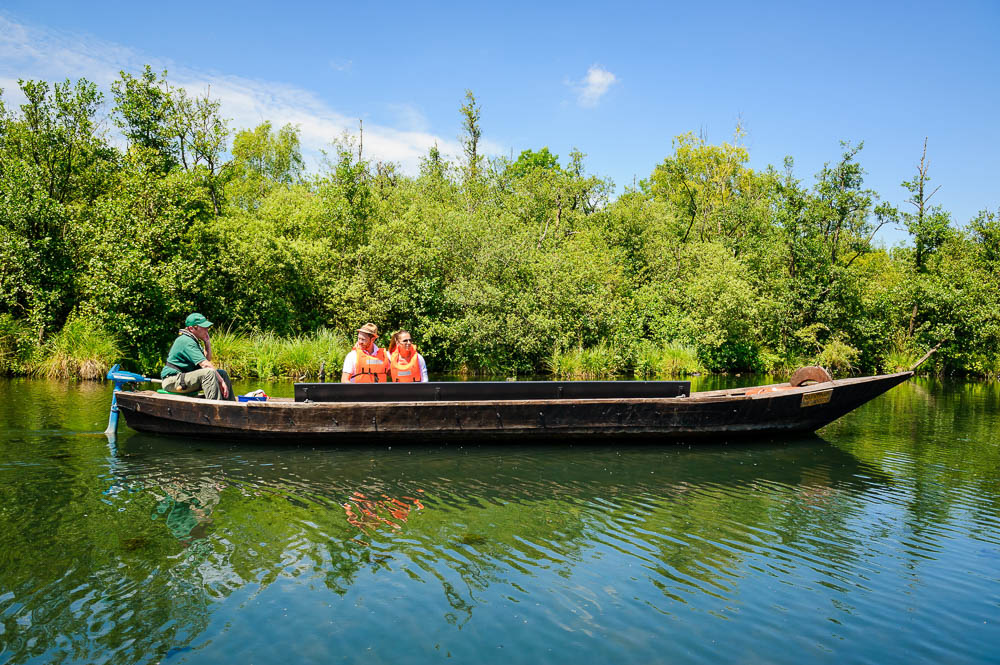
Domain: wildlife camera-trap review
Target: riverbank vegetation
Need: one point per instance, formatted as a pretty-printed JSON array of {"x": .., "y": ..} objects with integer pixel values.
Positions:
[
  {"x": 268, "y": 356},
  {"x": 497, "y": 266}
]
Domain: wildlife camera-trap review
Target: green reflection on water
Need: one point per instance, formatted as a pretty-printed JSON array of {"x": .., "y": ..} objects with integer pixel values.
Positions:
[{"x": 164, "y": 548}]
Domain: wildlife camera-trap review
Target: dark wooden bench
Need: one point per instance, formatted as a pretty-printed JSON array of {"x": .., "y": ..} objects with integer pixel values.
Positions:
[{"x": 466, "y": 391}]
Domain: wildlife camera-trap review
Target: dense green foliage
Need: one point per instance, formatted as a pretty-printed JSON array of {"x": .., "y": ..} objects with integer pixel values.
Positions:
[{"x": 497, "y": 266}]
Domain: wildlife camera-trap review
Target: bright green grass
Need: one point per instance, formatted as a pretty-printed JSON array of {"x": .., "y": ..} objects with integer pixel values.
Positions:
[
  {"x": 266, "y": 356},
  {"x": 82, "y": 349},
  {"x": 649, "y": 360},
  {"x": 579, "y": 363},
  {"x": 668, "y": 360}
]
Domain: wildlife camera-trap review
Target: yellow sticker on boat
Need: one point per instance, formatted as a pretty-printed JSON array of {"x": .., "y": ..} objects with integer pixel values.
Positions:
[{"x": 818, "y": 397}]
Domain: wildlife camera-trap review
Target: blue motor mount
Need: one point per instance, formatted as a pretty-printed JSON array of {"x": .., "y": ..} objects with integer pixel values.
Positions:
[{"x": 120, "y": 378}]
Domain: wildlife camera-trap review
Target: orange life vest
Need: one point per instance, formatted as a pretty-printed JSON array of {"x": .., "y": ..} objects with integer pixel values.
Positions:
[
  {"x": 370, "y": 368},
  {"x": 402, "y": 370}
]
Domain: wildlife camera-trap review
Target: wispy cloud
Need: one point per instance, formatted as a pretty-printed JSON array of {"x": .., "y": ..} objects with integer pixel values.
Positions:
[
  {"x": 32, "y": 52},
  {"x": 343, "y": 65},
  {"x": 594, "y": 85},
  {"x": 409, "y": 116}
]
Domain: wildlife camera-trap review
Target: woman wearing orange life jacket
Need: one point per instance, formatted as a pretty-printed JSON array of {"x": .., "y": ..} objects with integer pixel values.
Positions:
[
  {"x": 366, "y": 363},
  {"x": 405, "y": 364}
]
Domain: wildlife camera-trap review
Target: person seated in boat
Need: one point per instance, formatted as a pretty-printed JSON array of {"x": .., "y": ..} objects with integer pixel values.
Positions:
[
  {"x": 405, "y": 363},
  {"x": 366, "y": 363},
  {"x": 189, "y": 365}
]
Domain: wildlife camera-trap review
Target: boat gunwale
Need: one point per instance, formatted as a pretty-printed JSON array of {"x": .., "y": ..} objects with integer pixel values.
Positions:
[{"x": 701, "y": 397}]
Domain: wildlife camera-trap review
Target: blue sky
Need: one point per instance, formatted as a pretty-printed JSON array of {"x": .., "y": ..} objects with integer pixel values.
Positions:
[{"x": 617, "y": 81}]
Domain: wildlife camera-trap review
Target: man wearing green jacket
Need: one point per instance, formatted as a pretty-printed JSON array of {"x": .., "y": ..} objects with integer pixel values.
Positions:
[{"x": 189, "y": 364}]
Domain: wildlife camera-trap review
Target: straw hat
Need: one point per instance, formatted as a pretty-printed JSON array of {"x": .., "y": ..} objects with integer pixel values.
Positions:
[{"x": 370, "y": 329}]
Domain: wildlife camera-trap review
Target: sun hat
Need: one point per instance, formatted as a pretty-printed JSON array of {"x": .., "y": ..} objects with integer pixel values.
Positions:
[
  {"x": 369, "y": 329},
  {"x": 196, "y": 319}
]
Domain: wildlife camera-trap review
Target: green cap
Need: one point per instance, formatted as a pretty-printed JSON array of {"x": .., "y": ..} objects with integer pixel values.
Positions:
[{"x": 196, "y": 319}]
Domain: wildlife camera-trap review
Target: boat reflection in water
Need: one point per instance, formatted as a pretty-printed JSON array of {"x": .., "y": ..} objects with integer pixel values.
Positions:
[
  {"x": 509, "y": 511},
  {"x": 217, "y": 548},
  {"x": 186, "y": 508},
  {"x": 179, "y": 549}
]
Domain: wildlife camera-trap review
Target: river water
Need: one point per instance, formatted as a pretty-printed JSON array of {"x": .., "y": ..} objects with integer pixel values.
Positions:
[{"x": 876, "y": 541}]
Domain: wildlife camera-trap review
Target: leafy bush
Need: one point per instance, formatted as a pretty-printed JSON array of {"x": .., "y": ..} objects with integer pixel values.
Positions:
[
  {"x": 781, "y": 364},
  {"x": 732, "y": 355},
  {"x": 490, "y": 267},
  {"x": 17, "y": 345},
  {"x": 838, "y": 356}
]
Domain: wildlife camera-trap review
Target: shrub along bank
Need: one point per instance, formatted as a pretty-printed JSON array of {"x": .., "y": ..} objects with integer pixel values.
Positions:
[{"x": 499, "y": 267}]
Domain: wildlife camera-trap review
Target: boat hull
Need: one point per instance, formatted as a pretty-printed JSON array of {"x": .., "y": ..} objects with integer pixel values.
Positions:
[{"x": 768, "y": 410}]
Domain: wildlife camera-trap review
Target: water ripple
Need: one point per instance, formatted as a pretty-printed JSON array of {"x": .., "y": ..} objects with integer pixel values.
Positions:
[{"x": 186, "y": 551}]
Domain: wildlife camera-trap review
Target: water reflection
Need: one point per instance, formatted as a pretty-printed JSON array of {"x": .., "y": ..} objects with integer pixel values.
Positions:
[
  {"x": 369, "y": 513},
  {"x": 165, "y": 548},
  {"x": 185, "y": 510},
  {"x": 495, "y": 515}
]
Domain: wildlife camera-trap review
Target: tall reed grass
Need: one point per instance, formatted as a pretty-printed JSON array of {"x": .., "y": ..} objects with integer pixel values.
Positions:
[
  {"x": 83, "y": 349},
  {"x": 267, "y": 356},
  {"x": 903, "y": 355},
  {"x": 596, "y": 362},
  {"x": 901, "y": 360},
  {"x": 667, "y": 360},
  {"x": 648, "y": 360}
]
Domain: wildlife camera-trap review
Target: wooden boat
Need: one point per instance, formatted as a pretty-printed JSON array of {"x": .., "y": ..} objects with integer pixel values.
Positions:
[{"x": 519, "y": 410}]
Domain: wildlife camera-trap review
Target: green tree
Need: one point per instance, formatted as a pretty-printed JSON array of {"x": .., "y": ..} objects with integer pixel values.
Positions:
[
  {"x": 827, "y": 231},
  {"x": 929, "y": 225},
  {"x": 435, "y": 175},
  {"x": 144, "y": 110},
  {"x": 53, "y": 165},
  {"x": 201, "y": 137},
  {"x": 530, "y": 160},
  {"x": 262, "y": 160},
  {"x": 472, "y": 132},
  {"x": 700, "y": 181},
  {"x": 57, "y": 136},
  {"x": 433, "y": 165},
  {"x": 347, "y": 187},
  {"x": 842, "y": 210},
  {"x": 985, "y": 229}
]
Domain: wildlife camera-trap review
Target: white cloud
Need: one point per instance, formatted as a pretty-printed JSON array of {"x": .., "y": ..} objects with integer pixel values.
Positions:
[
  {"x": 31, "y": 52},
  {"x": 410, "y": 117},
  {"x": 594, "y": 85}
]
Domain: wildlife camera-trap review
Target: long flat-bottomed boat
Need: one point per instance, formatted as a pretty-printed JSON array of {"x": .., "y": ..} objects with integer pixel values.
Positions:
[{"x": 515, "y": 410}]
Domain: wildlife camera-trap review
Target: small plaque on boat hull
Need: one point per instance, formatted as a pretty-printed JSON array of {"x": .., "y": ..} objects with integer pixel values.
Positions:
[{"x": 818, "y": 397}]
